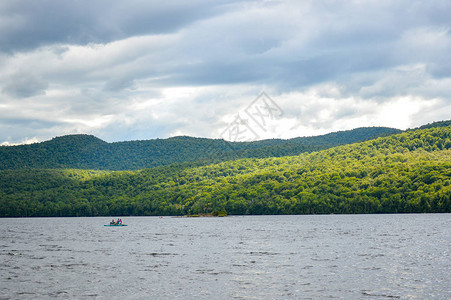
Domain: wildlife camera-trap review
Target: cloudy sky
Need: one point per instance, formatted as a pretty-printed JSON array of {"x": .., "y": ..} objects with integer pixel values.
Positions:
[{"x": 143, "y": 69}]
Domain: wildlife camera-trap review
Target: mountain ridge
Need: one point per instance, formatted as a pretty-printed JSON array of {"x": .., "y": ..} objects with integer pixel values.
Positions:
[{"x": 85, "y": 151}]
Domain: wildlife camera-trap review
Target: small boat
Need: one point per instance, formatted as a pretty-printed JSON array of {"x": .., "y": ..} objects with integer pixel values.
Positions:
[{"x": 113, "y": 225}]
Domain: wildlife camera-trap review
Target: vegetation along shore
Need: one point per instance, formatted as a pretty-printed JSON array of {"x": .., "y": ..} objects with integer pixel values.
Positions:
[{"x": 382, "y": 171}]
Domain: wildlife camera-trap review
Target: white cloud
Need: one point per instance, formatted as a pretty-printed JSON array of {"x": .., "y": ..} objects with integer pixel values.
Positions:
[{"x": 25, "y": 141}]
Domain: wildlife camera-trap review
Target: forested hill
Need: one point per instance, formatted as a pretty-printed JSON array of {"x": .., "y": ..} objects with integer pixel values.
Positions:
[
  {"x": 89, "y": 152},
  {"x": 402, "y": 173},
  {"x": 436, "y": 124}
]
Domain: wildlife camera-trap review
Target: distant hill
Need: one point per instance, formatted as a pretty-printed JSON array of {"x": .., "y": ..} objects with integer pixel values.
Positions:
[
  {"x": 435, "y": 125},
  {"x": 89, "y": 152}
]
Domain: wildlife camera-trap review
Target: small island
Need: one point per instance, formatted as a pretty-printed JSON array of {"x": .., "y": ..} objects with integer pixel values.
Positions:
[{"x": 221, "y": 213}]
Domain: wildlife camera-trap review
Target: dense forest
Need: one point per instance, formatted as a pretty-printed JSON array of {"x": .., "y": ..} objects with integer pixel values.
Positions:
[
  {"x": 401, "y": 173},
  {"x": 89, "y": 152}
]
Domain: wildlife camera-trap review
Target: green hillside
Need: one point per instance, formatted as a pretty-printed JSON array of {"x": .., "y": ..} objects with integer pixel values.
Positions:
[
  {"x": 402, "y": 173},
  {"x": 89, "y": 152},
  {"x": 436, "y": 124}
]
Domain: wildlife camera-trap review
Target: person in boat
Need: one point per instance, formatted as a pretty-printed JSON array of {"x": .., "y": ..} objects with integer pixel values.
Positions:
[
  {"x": 112, "y": 222},
  {"x": 119, "y": 221}
]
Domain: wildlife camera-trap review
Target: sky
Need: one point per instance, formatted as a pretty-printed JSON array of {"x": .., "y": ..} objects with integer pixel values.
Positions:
[{"x": 238, "y": 70}]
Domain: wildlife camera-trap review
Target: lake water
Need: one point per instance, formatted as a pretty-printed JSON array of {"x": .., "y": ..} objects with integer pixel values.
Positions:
[{"x": 248, "y": 257}]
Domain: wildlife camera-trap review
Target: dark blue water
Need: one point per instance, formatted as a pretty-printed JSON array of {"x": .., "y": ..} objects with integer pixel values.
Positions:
[{"x": 251, "y": 257}]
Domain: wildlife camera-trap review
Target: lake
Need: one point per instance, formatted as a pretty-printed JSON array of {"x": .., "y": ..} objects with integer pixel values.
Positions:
[{"x": 242, "y": 257}]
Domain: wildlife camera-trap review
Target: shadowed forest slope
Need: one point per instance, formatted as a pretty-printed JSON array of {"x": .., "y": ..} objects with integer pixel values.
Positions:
[{"x": 89, "y": 152}]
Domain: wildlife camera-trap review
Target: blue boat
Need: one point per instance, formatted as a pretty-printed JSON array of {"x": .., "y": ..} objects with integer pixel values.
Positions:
[{"x": 114, "y": 225}]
